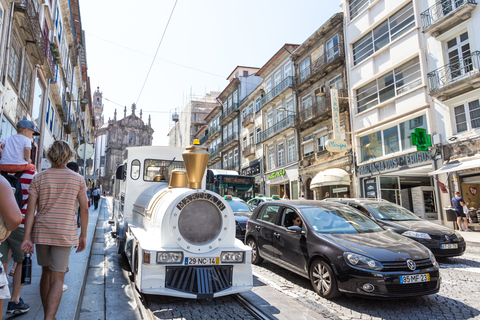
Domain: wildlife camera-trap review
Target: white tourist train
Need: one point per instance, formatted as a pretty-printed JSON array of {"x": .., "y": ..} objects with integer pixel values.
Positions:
[{"x": 179, "y": 240}]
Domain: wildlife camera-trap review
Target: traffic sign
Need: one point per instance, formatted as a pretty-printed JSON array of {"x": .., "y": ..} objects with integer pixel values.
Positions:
[{"x": 85, "y": 151}]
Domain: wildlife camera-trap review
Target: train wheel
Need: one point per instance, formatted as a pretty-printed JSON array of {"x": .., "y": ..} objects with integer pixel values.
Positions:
[
  {"x": 256, "y": 259},
  {"x": 323, "y": 279}
]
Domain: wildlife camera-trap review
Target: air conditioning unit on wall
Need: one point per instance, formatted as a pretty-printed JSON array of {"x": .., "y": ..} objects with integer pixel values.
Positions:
[{"x": 321, "y": 91}]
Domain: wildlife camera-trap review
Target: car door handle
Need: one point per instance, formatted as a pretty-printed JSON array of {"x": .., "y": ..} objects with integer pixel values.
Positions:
[
  {"x": 257, "y": 228},
  {"x": 276, "y": 234}
]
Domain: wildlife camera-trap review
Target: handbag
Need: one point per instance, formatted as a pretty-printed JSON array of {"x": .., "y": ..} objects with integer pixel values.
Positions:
[{"x": 465, "y": 210}]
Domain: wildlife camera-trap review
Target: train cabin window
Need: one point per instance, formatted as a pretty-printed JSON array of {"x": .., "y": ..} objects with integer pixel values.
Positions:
[
  {"x": 135, "y": 172},
  {"x": 159, "y": 170}
]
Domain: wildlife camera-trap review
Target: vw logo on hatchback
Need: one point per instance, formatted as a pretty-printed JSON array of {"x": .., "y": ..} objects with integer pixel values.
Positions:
[{"x": 411, "y": 264}]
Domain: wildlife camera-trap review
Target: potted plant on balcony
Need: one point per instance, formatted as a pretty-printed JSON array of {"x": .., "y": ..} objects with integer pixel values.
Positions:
[{"x": 55, "y": 52}]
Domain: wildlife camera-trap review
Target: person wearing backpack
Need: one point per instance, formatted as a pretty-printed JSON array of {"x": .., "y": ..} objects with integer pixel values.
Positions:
[{"x": 12, "y": 217}]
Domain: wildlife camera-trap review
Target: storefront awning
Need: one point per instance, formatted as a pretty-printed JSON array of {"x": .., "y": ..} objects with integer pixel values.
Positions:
[
  {"x": 330, "y": 177},
  {"x": 457, "y": 166}
]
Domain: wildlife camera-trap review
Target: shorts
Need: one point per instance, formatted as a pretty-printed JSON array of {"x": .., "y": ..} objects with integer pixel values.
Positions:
[
  {"x": 54, "y": 256},
  {"x": 4, "y": 290},
  {"x": 14, "y": 241},
  {"x": 460, "y": 214}
]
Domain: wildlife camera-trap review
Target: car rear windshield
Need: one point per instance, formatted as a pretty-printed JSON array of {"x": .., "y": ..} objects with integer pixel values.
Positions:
[
  {"x": 339, "y": 220},
  {"x": 239, "y": 206},
  {"x": 390, "y": 211}
]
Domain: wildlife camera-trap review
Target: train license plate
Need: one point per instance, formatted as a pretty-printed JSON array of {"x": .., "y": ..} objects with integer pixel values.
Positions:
[
  {"x": 201, "y": 261},
  {"x": 424, "y": 277},
  {"x": 449, "y": 246}
]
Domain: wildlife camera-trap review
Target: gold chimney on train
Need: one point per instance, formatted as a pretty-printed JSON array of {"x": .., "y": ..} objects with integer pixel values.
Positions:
[
  {"x": 178, "y": 179},
  {"x": 195, "y": 159}
]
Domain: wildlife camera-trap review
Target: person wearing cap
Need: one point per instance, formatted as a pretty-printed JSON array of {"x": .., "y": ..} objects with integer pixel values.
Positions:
[{"x": 17, "y": 148}]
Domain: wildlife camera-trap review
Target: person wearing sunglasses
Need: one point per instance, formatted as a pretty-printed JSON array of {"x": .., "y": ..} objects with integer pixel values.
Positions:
[{"x": 297, "y": 222}]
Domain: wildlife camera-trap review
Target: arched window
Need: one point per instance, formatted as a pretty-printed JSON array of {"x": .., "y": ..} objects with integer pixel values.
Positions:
[{"x": 131, "y": 138}]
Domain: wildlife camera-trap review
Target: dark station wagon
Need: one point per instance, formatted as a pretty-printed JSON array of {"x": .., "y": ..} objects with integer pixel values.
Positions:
[{"x": 340, "y": 250}]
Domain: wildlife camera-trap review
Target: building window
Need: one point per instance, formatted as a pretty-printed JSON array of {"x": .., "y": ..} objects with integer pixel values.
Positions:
[
  {"x": 14, "y": 69},
  {"x": 321, "y": 142},
  {"x": 244, "y": 114},
  {"x": 235, "y": 157},
  {"x": 291, "y": 150},
  {"x": 390, "y": 140},
  {"x": 308, "y": 145},
  {"x": 395, "y": 26},
  {"x": 336, "y": 83},
  {"x": 287, "y": 70},
  {"x": 400, "y": 80},
  {"x": 458, "y": 52},
  {"x": 268, "y": 86},
  {"x": 467, "y": 116},
  {"x": 304, "y": 69},
  {"x": 278, "y": 78},
  {"x": 259, "y": 131},
  {"x": 8, "y": 129},
  {"x": 357, "y": 6},
  {"x": 270, "y": 120},
  {"x": 332, "y": 48},
  {"x": 281, "y": 155},
  {"x": 26, "y": 83},
  {"x": 271, "y": 158},
  {"x": 225, "y": 161},
  {"x": 306, "y": 102},
  {"x": 230, "y": 159},
  {"x": 250, "y": 108},
  {"x": 257, "y": 105},
  {"x": 244, "y": 142},
  {"x": 245, "y": 73},
  {"x": 251, "y": 138},
  {"x": 279, "y": 115}
]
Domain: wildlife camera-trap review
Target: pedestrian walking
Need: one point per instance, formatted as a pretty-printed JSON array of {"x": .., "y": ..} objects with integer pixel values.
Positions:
[
  {"x": 16, "y": 305},
  {"x": 12, "y": 217},
  {"x": 53, "y": 193},
  {"x": 458, "y": 204},
  {"x": 96, "y": 196},
  {"x": 327, "y": 195}
]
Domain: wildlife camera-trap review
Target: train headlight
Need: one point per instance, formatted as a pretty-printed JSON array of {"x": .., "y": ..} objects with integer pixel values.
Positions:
[
  {"x": 169, "y": 257},
  {"x": 232, "y": 256}
]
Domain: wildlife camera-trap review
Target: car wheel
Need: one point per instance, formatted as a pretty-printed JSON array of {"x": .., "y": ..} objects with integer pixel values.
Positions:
[
  {"x": 323, "y": 279},
  {"x": 256, "y": 259}
]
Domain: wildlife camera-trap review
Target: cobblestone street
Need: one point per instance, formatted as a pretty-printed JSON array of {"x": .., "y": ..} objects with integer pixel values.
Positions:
[{"x": 459, "y": 297}]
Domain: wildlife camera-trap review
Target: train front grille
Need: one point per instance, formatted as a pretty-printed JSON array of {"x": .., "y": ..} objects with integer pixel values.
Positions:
[{"x": 202, "y": 281}]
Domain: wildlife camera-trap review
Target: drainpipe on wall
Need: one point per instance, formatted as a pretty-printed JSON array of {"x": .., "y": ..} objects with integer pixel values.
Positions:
[{"x": 43, "y": 109}]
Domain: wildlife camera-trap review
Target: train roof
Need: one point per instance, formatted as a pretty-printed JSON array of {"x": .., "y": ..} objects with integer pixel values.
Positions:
[{"x": 156, "y": 152}]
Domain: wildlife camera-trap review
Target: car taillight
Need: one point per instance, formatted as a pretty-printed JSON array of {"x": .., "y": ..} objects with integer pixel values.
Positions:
[{"x": 247, "y": 223}]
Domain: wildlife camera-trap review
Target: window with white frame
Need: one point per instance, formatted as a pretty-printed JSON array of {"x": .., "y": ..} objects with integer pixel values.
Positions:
[
  {"x": 355, "y": 7},
  {"x": 257, "y": 104},
  {"x": 458, "y": 52},
  {"x": 235, "y": 157},
  {"x": 225, "y": 132},
  {"x": 308, "y": 145},
  {"x": 271, "y": 158},
  {"x": 230, "y": 101},
  {"x": 225, "y": 161},
  {"x": 235, "y": 126},
  {"x": 244, "y": 114},
  {"x": 304, "y": 69},
  {"x": 268, "y": 86},
  {"x": 332, "y": 48},
  {"x": 287, "y": 70},
  {"x": 230, "y": 128},
  {"x": 467, "y": 116},
  {"x": 250, "y": 108},
  {"x": 291, "y": 150},
  {"x": 235, "y": 97},
  {"x": 391, "y": 29},
  {"x": 289, "y": 107},
  {"x": 270, "y": 120},
  {"x": 279, "y": 114},
  {"x": 336, "y": 83},
  {"x": 259, "y": 131},
  {"x": 278, "y": 78},
  {"x": 281, "y": 154},
  {"x": 400, "y": 80},
  {"x": 251, "y": 138},
  {"x": 26, "y": 82},
  {"x": 306, "y": 102},
  {"x": 321, "y": 142},
  {"x": 245, "y": 142},
  {"x": 230, "y": 159}
]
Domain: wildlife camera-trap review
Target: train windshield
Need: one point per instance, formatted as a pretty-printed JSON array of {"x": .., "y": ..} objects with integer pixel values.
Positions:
[{"x": 159, "y": 170}]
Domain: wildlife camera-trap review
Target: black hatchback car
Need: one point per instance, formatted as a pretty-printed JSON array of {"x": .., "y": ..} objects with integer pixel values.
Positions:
[
  {"x": 441, "y": 240},
  {"x": 340, "y": 250}
]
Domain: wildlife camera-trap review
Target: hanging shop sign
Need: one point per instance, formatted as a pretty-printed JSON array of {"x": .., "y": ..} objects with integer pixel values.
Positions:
[
  {"x": 405, "y": 160},
  {"x": 339, "y": 190},
  {"x": 277, "y": 174},
  {"x": 336, "y": 145},
  {"x": 252, "y": 169}
]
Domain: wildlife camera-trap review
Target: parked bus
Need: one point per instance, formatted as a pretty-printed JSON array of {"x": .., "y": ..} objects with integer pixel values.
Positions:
[{"x": 229, "y": 182}]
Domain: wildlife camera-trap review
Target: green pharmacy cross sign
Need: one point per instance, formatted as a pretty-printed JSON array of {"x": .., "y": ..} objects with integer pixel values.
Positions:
[{"x": 421, "y": 139}]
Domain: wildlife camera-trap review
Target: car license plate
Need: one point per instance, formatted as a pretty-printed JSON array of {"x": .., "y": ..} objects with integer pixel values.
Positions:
[
  {"x": 449, "y": 246},
  {"x": 201, "y": 261},
  {"x": 424, "y": 277}
]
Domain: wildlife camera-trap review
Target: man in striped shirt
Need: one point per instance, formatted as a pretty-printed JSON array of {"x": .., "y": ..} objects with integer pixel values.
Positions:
[
  {"x": 54, "y": 193},
  {"x": 16, "y": 305}
]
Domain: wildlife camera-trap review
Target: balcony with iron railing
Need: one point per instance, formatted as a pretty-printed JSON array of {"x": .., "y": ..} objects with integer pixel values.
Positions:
[
  {"x": 324, "y": 64},
  {"x": 228, "y": 141},
  {"x": 446, "y": 14},
  {"x": 32, "y": 31},
  {"x": 63, "y": 112},
  {"x": 455, "y": 78},
  {"x": 317, "y": 109},
  {"x": 275, "y": 92},
  {"x": 229, "y": 113},
  {"x": 249, "y": 151},
  {"x": 213, "y": 133},
  {"x": 248, "y": 121},
  {"x": 203, "y": 140},
  {"x": 48, "y": 63},
  {"x": 271, "y": 132},
  {"x": 231, "y": 166},
  {"x": 214, "y": 156}
]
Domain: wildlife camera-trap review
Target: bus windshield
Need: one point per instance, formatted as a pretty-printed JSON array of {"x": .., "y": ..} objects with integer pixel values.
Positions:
[{"x": 242, "y": 187}]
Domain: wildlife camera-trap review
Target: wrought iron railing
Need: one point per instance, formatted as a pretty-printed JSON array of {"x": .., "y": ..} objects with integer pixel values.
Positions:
[
  {"x": 279, "y": 88},
  {"x": 203, "y": 139},
  {"x": 214, "y": 154},
  {"x": 315, "y": 110},
  {"x": 65, "y": 109},
  {"x": 289, "y": 121},
  {"x": 226, "y": 141},
  {"x": 440, "y": 9},
  {"x": 48, "y": 54},
  {"x": 31, "y": 14},
  {"x": 213, "y": 131},
  {"x": 228, "y": 111},
  {"x": 231, "y": 166},
  {"x": 320, "y": 63},
  {"x": 454, "y": 71},
  {"x": 248, "y": 119},
  {"x": 248, "y": 150}
]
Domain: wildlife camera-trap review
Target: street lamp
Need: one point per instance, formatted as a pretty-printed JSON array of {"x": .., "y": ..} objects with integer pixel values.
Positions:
[{"x": 282, "y": 108}]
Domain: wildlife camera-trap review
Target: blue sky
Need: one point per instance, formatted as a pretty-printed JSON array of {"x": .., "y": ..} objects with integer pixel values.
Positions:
[{"x": 204, "y": 42}]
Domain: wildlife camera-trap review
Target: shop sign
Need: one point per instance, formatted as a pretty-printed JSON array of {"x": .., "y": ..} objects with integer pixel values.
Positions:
[
  {"x": 421, "y": 139},
  {"x": 335, "y": 114},
  {"x": 277, "y": 174},
  {"x": 442, "y": 186},
  {"x": 339, "y": 190},
  {"x": 370, "y": 186},
  {"x": 251, "y": 170},
  {"x": 393, "y": 163},
  {"x": 336, "y": 145}
]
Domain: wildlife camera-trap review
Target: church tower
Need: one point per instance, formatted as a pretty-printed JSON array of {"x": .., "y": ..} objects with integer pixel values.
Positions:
[{"x": 98, "y": 108}]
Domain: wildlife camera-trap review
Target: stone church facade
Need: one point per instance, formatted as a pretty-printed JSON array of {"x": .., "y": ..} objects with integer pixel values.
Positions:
[{"x": 113, "y": 137}]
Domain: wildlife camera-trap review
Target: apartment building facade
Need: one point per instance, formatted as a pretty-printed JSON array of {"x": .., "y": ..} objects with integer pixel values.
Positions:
[{"x": 320, "y": 67}]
